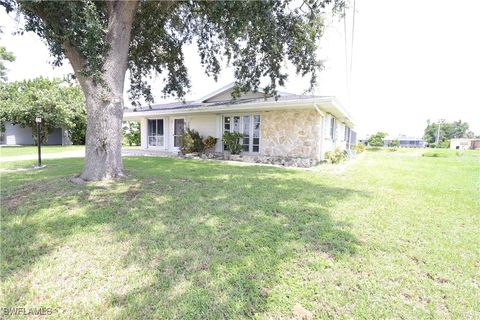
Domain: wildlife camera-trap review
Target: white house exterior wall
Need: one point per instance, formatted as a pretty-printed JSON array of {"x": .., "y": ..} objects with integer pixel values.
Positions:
[
  {"x": 328, "y": 143},
  {"x": 303, "y": 133},
  {"x": 340, "y": 141},
  {"x": 205, "y": 124}
]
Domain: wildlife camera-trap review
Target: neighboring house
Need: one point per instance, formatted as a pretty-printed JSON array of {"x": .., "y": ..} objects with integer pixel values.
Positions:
[
  {"x": 463, "y": 144},
  {"x": 299, "y": 126},
  {"x": 16, "y": 135},
  {"x": 405, "y": 141}
]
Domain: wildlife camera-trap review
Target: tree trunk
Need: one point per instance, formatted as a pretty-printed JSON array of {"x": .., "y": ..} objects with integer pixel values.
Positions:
[
  {"x": 104, "y": 101},
  {"x": 103, "y": 147}
]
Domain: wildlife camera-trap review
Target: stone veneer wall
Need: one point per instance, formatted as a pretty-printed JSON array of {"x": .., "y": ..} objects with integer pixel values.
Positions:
[{"x": 291, "y": 133}]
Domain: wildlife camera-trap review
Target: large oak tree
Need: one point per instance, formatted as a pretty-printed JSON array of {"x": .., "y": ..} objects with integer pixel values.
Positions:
[{"x": 104, "y": 39}]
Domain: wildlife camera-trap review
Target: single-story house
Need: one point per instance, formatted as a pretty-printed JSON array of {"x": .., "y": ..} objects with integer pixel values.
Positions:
[
  {"x": 17, "y": 135},
  {"x": 405, "y": 141},
  {"x": 463, "y": 144},
  {"x": 297, "y": 126}
]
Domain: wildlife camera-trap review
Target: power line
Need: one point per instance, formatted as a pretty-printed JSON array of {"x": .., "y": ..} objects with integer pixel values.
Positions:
[
  {"x": 345, "y": 47},
  {"x": 351, "y": 46}
]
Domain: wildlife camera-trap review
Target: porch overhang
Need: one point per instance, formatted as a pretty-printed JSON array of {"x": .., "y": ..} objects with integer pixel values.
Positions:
[{"x": 326, "y": 104}]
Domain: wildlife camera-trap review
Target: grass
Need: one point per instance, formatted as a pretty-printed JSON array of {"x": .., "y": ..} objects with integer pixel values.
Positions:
[
  {"x": 388, "y": 235},
  {"x": 12, "y": 151}
]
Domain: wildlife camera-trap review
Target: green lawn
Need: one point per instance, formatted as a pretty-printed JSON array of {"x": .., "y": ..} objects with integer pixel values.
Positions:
[
  {"x": 11, "y": 151},
  {"x": 388, "y": 235}
]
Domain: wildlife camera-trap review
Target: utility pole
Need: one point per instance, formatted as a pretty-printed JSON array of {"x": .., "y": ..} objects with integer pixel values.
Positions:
[{"x": 438, "y": 130}]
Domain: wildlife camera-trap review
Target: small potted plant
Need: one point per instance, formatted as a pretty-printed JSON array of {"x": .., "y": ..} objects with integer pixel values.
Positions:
[{"x": 232, "y": 143}]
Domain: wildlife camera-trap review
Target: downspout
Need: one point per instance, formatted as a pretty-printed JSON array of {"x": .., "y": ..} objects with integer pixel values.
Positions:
[{"x": 322, "y": 130}]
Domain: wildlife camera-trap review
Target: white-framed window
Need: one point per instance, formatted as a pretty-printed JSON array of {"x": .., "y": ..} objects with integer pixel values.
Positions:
[
  {"x": 333, "y": 128},
  {"x": 347, "y": 134},
  {"x": 249, "y": 126},
  {"x": 156, "y": 133}
]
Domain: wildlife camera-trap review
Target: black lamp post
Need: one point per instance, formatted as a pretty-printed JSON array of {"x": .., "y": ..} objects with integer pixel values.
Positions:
[{"x": 38, "y": 120}]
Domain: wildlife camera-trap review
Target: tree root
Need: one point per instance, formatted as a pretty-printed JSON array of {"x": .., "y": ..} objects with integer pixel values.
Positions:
[{"x": 77, "y": 180}]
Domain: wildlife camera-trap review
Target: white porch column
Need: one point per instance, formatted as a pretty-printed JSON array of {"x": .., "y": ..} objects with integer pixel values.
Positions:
[
  {"x": 144, "y": 133},
  {"x": 218, "y": 133},
  {"x": 167, "y": 134}
]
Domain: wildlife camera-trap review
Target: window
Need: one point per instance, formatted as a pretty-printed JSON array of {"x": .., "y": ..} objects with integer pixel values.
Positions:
[
  {"x": 256, "y": 134},
  {"x": 347, "y": 134},
  {"x": 155, "y": 133},
  {"x": 226, "y": 124},
  {"x": 236, "y": 124},
  {"x": 246, "y": 133},
  {"x": 333, "y": 127},
  {"x": 249, "y": 126}
]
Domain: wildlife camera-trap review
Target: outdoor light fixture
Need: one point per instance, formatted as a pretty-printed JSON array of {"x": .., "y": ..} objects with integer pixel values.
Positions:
[{"x": 38, "y": 120}]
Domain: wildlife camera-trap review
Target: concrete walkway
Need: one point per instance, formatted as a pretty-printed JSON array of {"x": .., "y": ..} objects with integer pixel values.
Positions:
[{"x": 81, "y": 153}]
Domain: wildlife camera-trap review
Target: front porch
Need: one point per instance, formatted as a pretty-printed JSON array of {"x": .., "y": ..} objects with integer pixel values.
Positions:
[{"x": 163, "y": 132}]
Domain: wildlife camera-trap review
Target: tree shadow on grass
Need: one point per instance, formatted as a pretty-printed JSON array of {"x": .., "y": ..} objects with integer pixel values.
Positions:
[{"x": 213, "y": 238}]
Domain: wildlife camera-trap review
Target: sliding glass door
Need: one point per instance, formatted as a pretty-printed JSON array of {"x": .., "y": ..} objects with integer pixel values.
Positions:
[
  {"x": 249, "y": 126},
  {"x": 155, "y": 133}
]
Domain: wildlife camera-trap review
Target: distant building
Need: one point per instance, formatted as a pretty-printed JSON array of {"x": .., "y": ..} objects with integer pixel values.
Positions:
[
  {"x": 17, "y": 135},
  {"x": 463, "y": 144},
  {"x": 405, "y": 141}
]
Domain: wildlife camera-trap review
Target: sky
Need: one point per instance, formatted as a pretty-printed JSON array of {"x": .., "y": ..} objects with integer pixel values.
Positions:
[{"x": 412, "y": 60}]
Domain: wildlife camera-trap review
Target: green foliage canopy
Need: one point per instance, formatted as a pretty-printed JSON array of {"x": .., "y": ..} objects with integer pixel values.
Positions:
[
  {"x": 131, "y": 133},
  {"x": 448, "y": 130},
  {"x": 5, "y": 56},
  {"x": 57, "y": 102},
  {"x": 376, "y": 140},
  {"x": 257, "y": 38}
]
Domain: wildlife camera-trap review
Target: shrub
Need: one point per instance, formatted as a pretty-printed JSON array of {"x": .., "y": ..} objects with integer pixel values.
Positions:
[
  {"x": 359, "y": 147},
  {"x": 191, "y": 142},
  {"x": 441, "y": 145},
  {"x": 444, "y": 144},
  {"x": 336, "y": 156},
  {"x": 232, "y": 142},
  {"x": 432, "y": 154},
  {"x": 394, "y": 143},
  {"x": 376, "y": 140},
  {"x": 210, "y": 142}
]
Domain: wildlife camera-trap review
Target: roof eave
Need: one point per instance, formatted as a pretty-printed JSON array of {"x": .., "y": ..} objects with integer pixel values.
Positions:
[{"x": 327, "y": 104}]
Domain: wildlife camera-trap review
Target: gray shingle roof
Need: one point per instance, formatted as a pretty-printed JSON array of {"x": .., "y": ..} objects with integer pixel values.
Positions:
[{"x": 196, "y": 104}]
